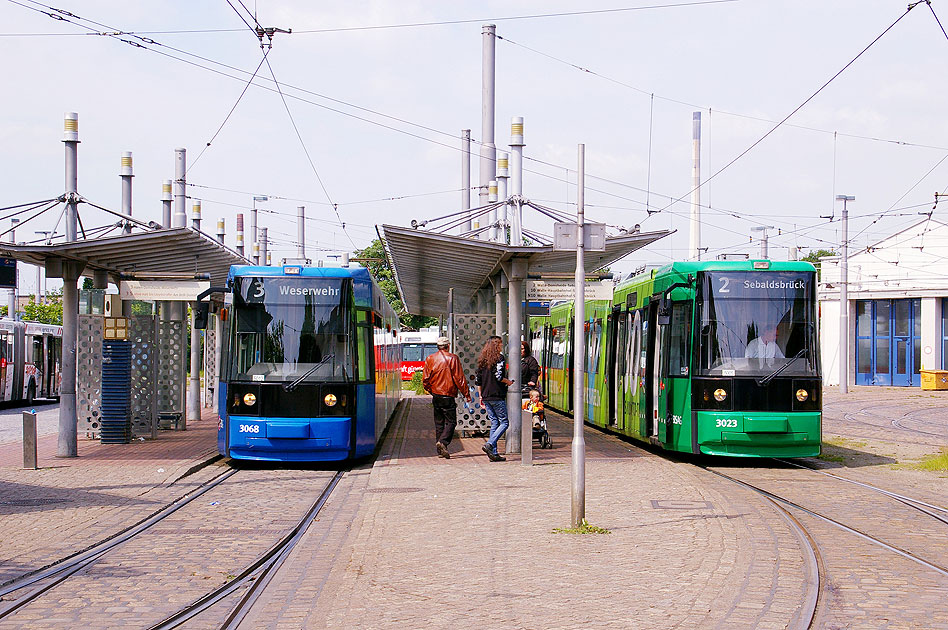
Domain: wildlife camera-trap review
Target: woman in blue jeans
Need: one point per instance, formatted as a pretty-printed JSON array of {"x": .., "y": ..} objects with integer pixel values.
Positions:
[{"x": 492, "y": 383}]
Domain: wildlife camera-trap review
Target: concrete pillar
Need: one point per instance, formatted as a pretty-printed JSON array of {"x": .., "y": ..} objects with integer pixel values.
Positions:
[
  {"x": 517, "y": 274},
  {"x": 67, "y": 445}
]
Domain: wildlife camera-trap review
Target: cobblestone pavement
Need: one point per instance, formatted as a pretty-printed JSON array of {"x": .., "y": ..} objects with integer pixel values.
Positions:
[
  {"x": 874, "y": 435},
  {"x": 417, "y": 541},
  {"x": 414, "y": 540},
  {"x": 180, "y": 559},
  {"x": 865, "y": 586},
  {"x": 11, "y": 420},
  {"x": 72, "y": 503}
]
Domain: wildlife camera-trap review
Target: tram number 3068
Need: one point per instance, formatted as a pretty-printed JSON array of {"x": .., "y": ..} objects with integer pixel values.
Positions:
[{"x": 249, "y": 428}]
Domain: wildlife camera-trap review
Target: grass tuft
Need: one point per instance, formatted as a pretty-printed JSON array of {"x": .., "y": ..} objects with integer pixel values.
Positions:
[
  {"x": 937, "y": 462},
  {"x": 584, "y": 528}
]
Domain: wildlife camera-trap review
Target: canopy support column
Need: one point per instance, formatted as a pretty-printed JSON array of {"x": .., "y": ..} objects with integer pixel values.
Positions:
[{"x": 68, "y": 419}]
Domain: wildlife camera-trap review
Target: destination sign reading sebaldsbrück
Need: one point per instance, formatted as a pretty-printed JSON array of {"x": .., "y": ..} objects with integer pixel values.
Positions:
[
  {"x": 757, "y": 284},
  {"x": 290, "y": 290}
]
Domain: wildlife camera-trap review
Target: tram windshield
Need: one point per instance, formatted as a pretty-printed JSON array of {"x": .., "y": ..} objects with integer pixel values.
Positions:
[
  {"x": 287, "y": 328},
  {"x": 754, "y": 323}
]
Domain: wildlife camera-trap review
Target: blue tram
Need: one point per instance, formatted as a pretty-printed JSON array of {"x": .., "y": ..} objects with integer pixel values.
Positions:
[{"x": 309, "y": 364}]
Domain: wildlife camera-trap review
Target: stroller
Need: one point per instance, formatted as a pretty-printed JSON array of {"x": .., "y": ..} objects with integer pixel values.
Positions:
[{"x": 540, "y": 432}]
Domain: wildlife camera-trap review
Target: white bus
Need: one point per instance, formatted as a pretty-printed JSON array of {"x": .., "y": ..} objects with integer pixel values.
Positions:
[{"x": 30, "y": 360}]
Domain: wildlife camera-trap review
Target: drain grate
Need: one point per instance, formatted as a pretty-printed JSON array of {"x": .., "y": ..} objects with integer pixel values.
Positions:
[
  {"x": 33, "y": 502},
  {"x": 394, "y": 490}
]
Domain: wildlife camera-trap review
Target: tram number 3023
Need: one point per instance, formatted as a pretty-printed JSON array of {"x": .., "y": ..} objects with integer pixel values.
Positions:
[
  {"x": 249, "y": 428},
  {"x": 726, "y": 423}
]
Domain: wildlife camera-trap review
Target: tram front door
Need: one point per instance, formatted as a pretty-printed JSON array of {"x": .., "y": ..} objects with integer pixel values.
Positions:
[{"x": 656, "y": 401}]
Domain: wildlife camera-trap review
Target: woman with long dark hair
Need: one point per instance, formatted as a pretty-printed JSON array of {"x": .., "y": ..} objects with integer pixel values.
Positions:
[{"x": 492, "y": 383}]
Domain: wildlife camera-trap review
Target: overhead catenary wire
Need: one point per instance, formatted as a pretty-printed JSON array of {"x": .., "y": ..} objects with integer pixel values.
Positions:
[
  {"x": 935, "y": 15},
  {"x": 349, "y": 114},
  {"x": 306, "y": 151},
  {"x": 409, "y": 24},
  {"x": 146, "y": 43},
  {"x": 342, "y": 112},
  {"x": 652, "y": 96},
  {"x": 229, "y": 114},
  {"x": 804, "y": 103}
]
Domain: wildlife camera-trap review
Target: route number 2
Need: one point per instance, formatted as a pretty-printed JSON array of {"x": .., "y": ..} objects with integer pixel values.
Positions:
[{"x": 724, "y": 284}]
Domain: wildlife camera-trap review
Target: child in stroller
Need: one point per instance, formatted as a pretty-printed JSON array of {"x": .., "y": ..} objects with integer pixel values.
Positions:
[{"x": 534, "y": 405}]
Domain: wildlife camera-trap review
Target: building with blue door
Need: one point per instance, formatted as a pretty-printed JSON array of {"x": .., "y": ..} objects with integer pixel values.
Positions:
[{"x": 897, "y": 305}]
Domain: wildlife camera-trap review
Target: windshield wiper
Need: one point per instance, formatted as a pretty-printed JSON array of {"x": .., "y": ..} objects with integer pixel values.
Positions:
[
  {"x": 770, "y": 377},
  {"x": 308, "y": 372}
]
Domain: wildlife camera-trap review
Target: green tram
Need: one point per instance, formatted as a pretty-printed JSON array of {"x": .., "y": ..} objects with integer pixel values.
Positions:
[{"x": 719, "y": 358}]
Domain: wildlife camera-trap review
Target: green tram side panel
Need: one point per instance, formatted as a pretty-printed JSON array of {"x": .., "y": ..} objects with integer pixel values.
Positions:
[
  {"x": 558, "y": 394},
  {"x": 675, "y": 433},
  {"x": 597, "y": 391},
  {"x": 635, "y": 415}
]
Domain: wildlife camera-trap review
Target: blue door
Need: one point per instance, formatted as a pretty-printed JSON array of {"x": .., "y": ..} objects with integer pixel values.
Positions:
[{"x": 888, "y": 342}]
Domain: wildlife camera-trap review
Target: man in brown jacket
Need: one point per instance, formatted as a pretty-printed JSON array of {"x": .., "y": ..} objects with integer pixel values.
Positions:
[{"x": 443, "y": 378}]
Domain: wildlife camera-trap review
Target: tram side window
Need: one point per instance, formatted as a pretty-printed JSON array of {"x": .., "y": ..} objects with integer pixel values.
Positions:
[
  {"x": 38, "y": 352},
  {"x": 679, "y": 337},
  {"x": 594, "y": 345},
  {"x": 559, "y": 348},
  {"x": 635, "y": 348}
]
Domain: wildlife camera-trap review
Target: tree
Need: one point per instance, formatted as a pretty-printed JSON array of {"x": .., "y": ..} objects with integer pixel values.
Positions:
[
  {"x": 375, "y": 261},
  {"x": 49, "y": 312},
  {"x": 814, "y": 257}
]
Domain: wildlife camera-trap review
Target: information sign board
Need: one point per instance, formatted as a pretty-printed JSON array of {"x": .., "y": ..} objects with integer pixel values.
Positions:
[
  {"x": 169, "y": 290},
  {"x": 552, "y": 290},
  {"x": 8, "y": 273}
]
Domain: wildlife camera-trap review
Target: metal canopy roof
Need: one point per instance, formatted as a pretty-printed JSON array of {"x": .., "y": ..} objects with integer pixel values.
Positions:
[
  {"x": 158, "y": 253},
  {"x": 427, "y": 264}
]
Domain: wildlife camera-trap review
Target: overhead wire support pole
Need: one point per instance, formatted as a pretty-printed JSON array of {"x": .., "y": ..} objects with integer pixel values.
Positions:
[
  {"x": 844, "y": 299},
  {"x": 488, "y": 151},
  {"x": 578, "y": 498}
]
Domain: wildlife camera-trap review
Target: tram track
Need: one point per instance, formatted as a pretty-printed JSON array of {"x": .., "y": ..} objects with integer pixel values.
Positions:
[
  {"x": 791, "y": 508},
  {"x": 258, "y": 574},
  {"x": 943, "y": 570},
  {"x": 937, "y": 512},
  {"x": 34, "y": 593},
  {"x": 57, "y": 572},
  {"x": 886, "y": 424}
]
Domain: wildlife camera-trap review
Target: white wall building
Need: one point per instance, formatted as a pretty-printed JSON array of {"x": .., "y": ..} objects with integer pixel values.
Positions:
[{"x": 897, "y": 308}]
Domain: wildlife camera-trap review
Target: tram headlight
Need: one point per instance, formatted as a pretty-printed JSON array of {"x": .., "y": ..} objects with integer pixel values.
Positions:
[
  {"x": 330, "y": 400},
  {"x": 250, "y": 400},
  {"x": 720, "y": 395},
  {"x": 802, "y": 395}
]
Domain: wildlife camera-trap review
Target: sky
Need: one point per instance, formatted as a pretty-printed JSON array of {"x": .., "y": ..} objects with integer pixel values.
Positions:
[{"x": 367, "y": 129}]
